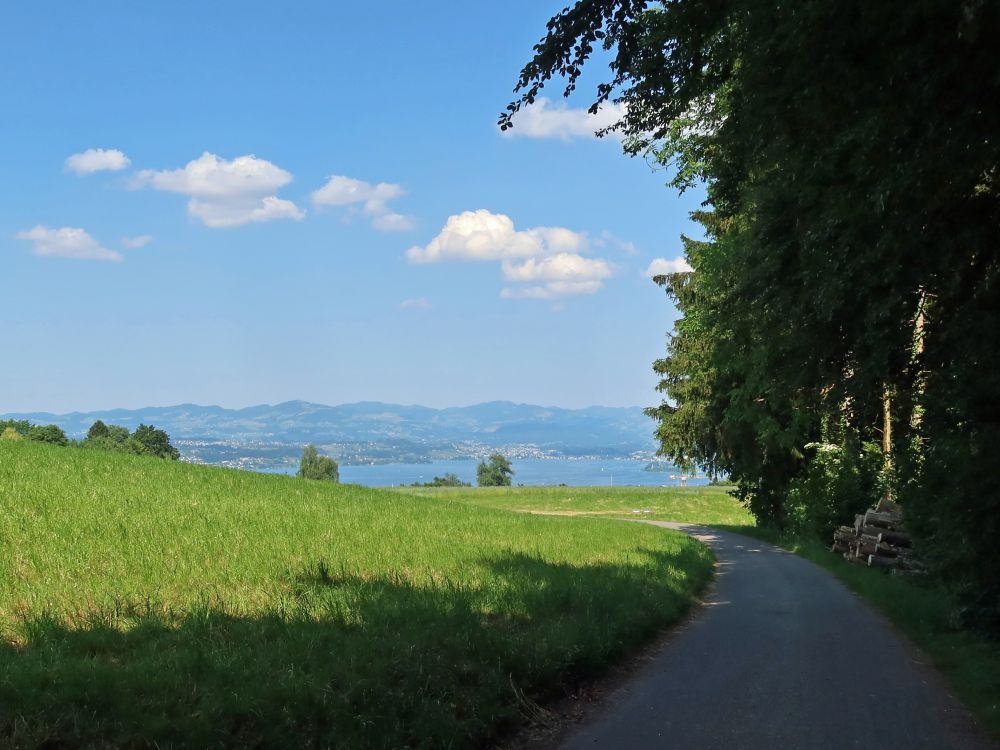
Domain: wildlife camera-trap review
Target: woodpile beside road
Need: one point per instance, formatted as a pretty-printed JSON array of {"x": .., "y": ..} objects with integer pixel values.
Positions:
[{"x": 878, "y": 539}]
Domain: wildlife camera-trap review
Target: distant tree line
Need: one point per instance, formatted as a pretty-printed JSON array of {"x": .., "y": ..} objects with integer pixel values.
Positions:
[
  {"x": 448, "y": 480},
  {"x": 146, "y": 440}
]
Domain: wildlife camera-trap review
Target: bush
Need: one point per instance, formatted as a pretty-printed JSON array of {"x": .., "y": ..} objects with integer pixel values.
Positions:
[
  {"x": 9, "y": 433},
  {"x": 496, "y": 471},
  {"x": 49, "y": 433},
  {"x": 315, "y": 466},
  {"x": 840, "y": 481}
]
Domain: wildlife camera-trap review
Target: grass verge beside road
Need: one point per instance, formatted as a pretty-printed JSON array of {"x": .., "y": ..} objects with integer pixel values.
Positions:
[
  {"x": 703, "y": 505},
  {"x": 149, "y": 603},
  {"x": 925, "y": 613}
]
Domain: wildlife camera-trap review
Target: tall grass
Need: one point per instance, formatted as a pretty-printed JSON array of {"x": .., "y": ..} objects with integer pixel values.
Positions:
[
  {"x": 706, "y": 505},
  {"x": 145, "y": 602}
]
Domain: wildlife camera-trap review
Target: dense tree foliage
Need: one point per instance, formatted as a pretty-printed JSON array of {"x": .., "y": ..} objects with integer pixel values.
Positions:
[
  {"x": 49, "y": 433},
  {"x": 315, "y": 466},
  {"x": 146, "y": 441},
  {"x": 155, "y": 442},
  {"x": 98, "y": 430},
  {"x": 20, "y": 426},
  {"x": 846, "y": 292},
  {"x": 495, "y": 471}
]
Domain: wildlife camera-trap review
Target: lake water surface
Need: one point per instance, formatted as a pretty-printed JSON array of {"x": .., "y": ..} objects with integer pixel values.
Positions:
[{"x": 583, "y": 472}]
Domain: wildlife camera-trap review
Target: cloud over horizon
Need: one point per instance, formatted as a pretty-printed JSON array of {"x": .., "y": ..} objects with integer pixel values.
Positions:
[
  {"x": 97, "y": 160},
  {"x": 547, "y": 119},
  {"x": 225, "y": 194},
  {"x": 372, "y": 199},
  {"x": 67, "y": 242}
]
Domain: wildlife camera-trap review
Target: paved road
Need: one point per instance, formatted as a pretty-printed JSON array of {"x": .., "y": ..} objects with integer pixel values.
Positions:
[{"x": 782, "y": 657}]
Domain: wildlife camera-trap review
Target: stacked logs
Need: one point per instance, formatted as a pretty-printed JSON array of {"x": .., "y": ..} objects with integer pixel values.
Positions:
[{"x": 878, "y": 539}]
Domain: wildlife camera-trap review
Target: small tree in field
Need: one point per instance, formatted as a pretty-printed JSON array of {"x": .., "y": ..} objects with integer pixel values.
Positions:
[
  {"x": 315, "y": 466},
  {"x": 98, "y": 430},
  {"x": 154, "y": 442},
  {"x": 494, "y": 472},
  {"x": 9, "y": 433}
]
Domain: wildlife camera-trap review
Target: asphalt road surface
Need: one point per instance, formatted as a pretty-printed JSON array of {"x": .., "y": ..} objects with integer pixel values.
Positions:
[{"x": 781, "y": 657}]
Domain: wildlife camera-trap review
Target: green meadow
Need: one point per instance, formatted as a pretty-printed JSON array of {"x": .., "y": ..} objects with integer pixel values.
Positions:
[
  {"x": 149, "y": 603},
  {"x": 702, "y": 505}
]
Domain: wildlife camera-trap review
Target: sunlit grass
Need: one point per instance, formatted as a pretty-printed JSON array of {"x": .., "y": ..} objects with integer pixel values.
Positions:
[
  {"x": 144, "y": 601},
  {"x": 703, "y": 505}
]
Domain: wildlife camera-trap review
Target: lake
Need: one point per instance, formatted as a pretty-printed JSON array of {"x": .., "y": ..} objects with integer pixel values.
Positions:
[{"x": 582, "y": 472}]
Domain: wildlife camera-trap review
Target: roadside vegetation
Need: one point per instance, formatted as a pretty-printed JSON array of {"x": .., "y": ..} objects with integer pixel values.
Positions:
[
  {"x": 148, "y": 602},
  {"x": 699, "y": 505},
  {"x": 839, "y": 310}
]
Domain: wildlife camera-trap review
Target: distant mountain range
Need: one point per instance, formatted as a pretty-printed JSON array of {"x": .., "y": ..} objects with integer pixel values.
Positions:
[{"x": 595, "y": 430}]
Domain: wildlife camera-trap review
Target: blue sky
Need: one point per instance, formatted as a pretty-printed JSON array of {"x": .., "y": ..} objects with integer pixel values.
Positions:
[{"x": 170, "y": 231}]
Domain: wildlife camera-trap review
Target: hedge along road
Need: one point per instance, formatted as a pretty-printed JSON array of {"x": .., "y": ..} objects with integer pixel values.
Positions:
[{"x": 780, "y": 656}]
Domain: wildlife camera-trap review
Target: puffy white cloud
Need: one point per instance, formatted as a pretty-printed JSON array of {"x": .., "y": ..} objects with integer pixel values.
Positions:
[
  {"x": 563, "y": 267},
  {"x": 208, "y": 177},
  {"x": 226, "y": 214},
  {"x": 482, "y": 235},
  {"x": 138, "y": 241},
  {"x": 97, "y": 160},
  {"x": 227, "y": 193},
  {"x": 417, "y": 303},
  {"x": 347, "y": 191},
  {"x": 551, "y": 290},
  {"x": 661, "y": 266},
  {"x": 68, "y": 242},
  {"x": 547, "y": 119},
  {"x": 551, "y": 255}
]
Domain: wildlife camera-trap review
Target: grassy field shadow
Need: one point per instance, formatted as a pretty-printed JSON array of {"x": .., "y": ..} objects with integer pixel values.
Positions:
[{"x": 347, "y": 660}]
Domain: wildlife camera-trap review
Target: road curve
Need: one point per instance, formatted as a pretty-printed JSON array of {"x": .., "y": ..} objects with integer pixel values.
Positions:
[{"x": 782, "y": 657}]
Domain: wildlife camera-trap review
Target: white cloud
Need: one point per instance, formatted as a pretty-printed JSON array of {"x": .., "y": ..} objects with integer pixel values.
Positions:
[
  {"x": 346, "y": 191},
  {"x": 67, "y": 242},
  {"x": 393, "y": 222},
  {"x": 97, "y": 160},
  {"x": 138, "y": 241},
  {"x": 482, "y": 235},
  {"x": 227, "y": 193},
  {"x": 226, "y": 214},
  {"x": 417, "y": 303},
  {"x": 551, "y": 255},
  {"x": 546, "y": 119},
  {"x": 551, "y": 290},
  {"x": 568, "y": 267},
  {"x": 661, "y": 266}
]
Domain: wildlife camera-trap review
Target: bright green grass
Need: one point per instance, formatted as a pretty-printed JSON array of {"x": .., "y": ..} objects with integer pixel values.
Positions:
[
  {"x": 704, "y": 505},
  {"x": 144, "y": 602},
  {"x": 926, "y": 614}
]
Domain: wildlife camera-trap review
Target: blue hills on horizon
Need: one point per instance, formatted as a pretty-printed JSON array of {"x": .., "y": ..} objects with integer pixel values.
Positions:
[{"x": 594, "y": 430}]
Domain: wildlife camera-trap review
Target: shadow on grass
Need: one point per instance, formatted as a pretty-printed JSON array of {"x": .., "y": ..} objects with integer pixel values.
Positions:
[{"x": 341, "y": 660}]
